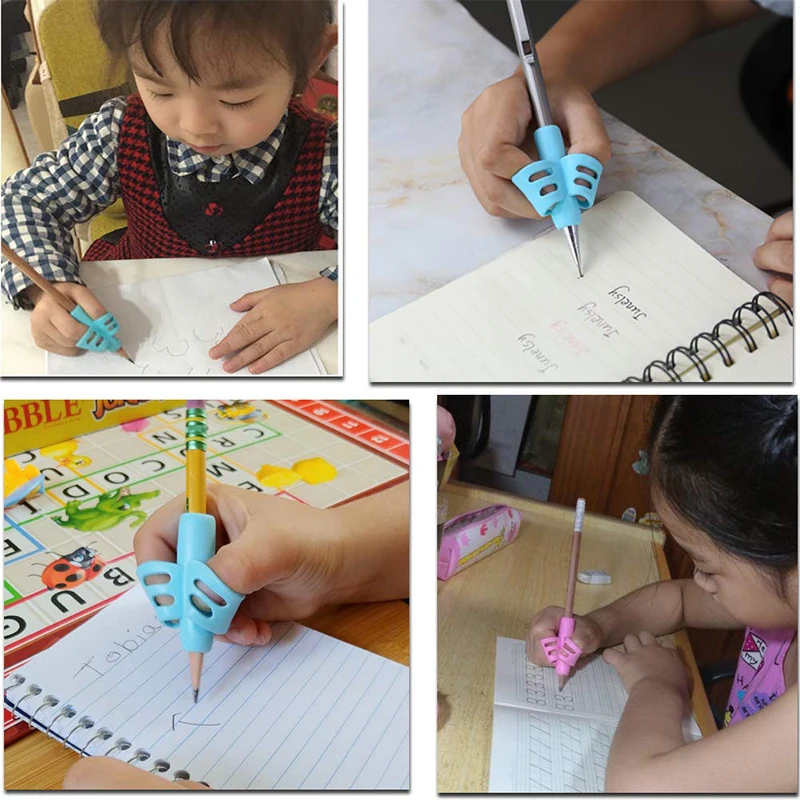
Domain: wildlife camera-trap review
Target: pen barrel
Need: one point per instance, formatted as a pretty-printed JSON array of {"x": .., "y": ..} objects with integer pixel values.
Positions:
[
  {"x": 196, "y": 432},
  {"x": 197, "y": 538}
]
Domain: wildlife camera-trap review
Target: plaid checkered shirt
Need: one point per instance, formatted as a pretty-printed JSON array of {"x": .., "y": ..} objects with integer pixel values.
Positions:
[{"x": 43, "y": 203}]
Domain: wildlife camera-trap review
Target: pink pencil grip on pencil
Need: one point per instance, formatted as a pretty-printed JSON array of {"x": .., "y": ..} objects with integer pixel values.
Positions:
[
  {"x": 468, "y": 538},
  {"x": 560, "y": 650}
]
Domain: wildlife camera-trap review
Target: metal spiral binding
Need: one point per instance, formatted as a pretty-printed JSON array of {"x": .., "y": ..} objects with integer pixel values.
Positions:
[
  {"x": 121, "y": 745},
  {"x": 84, "y": 722},
  {"x": 104, "y": 734},
  {"x": 139, "y": 755},
  {"x": 67, "y": 711},
  {"x": 50, "y": 701},
  {"x": 17, "y": 680},
  {"x": 668, "y": 365}
]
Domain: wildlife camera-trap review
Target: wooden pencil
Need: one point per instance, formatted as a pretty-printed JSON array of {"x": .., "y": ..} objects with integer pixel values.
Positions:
[
  {"x": 195, "y": 496},
  {"x": 569, "y": 606}
]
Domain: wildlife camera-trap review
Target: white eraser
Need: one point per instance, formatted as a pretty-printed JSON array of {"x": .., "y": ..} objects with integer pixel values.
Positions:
[{"x": 594, "y": 576}]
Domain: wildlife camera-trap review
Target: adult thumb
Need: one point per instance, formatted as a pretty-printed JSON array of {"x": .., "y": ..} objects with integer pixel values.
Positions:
[{"x": 253, "y": 560}]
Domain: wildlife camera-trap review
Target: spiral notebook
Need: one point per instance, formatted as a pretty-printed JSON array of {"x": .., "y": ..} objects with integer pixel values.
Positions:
[
  {"x": 544, "y": 740},
  {"x": 653, "y": 306},
  {"x": 304, "y": 712}
]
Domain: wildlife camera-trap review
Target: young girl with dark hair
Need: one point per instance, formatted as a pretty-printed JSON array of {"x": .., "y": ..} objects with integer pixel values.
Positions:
[
  {"x": 724, "y": 483},
  {"x": 213, "y": 155}
]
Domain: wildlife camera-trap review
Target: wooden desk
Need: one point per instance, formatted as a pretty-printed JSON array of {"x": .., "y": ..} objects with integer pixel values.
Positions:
[
  {"x": 39, "y": 763},
  {"x": 499, "y": 596}
]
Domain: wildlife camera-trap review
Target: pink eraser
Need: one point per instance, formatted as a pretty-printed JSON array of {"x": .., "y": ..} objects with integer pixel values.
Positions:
[
  {"x": 195, "y": 403},
  {"x": 468, "y": 538}
]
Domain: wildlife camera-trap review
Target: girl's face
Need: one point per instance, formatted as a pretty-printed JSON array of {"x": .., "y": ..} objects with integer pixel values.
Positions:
[
  {"x": 743, "y": 590},
  {"x": 237, "y": 104}
]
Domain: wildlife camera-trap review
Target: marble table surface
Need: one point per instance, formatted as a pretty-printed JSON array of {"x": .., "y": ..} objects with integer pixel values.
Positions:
[
  {"x": 428, "y": 61},
  {"x": 21, "y": 357}
]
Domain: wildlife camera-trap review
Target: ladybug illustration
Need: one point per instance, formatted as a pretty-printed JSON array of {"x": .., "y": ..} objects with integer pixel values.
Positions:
[
  {"x": 73, "y": 569},
  {"x": 213, "y": 210}
]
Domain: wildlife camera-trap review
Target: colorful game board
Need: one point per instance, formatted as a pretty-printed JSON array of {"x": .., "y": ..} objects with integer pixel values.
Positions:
[{"x": 68, "y": 552}]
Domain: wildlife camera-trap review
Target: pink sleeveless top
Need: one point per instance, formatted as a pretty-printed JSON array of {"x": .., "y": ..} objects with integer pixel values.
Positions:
[{"x": 759, "y": 673}]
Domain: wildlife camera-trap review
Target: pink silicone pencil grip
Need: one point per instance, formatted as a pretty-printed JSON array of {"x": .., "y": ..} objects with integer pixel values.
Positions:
[{"x": 561, "y": 650}]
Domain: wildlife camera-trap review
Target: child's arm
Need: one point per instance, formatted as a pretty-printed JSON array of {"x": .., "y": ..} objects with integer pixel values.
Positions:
[
  {"x": 648, "y": 753},
  {"x": 663, "y": 607},
  {"x": 43, "y": 203}
]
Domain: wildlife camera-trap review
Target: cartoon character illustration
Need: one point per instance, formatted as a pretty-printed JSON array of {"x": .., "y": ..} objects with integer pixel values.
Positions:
[
  {"x": 753, "y": 651},
  {"x": 20, "y": 483},
  {"x": 63, "y": 453},
  {"x": 110, "y": 509},
  {"x": 73, "y": 569},
  {"x": 238, "y": 410}
]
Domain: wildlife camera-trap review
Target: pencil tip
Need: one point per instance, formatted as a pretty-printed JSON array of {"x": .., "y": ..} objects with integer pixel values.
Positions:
[{"x": 196, "y": 692}]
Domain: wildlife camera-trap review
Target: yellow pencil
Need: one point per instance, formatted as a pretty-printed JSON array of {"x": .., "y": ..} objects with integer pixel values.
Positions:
[{"x": 195, "y": 495}]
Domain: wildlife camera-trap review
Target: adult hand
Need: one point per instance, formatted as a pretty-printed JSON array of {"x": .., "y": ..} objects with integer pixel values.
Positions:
[
  {"x": 495, "y": 141},
  {"x": 285, "y": 556},
  {"x": 776, "y": 255},
  {"x": 100, "y": 772}
]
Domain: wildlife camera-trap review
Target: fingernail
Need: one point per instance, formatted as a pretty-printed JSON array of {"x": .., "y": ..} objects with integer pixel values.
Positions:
[{"x": 237, "y": 637}]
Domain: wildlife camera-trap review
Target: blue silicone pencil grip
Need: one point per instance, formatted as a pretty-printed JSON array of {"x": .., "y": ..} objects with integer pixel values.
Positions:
[
  {"x": 565, "y": 203},
  {"x": 99, "y": 338},
  {"x": 196, "y": 544}
]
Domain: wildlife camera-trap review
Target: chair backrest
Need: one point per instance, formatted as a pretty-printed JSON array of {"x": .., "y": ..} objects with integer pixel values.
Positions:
[{"x": 75, "y": 64}]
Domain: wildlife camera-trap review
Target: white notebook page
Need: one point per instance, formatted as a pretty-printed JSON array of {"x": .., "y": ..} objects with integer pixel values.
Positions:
[
  {"x": 168, "y": 325},
  {"x": 527, "y": 316},
  {"x": 306, "y": 711},
  {"x": 544, "y": 740}
]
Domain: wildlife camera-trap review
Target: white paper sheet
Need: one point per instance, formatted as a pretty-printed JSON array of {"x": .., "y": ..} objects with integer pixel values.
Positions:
[
  {"x": 527, "y": 316},
  {"x": 544, "y": 740},
  {"x": 305, "y": 712},
  {"x": 168, "y": 325}
]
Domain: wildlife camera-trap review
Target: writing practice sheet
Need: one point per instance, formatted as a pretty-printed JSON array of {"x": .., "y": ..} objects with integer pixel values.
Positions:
[
  {"x": 528, "y": 316},
  {"x": 306, "y": 711},
  {"x": 544, "y": 740},
  {"x": 168, "y": 325}
]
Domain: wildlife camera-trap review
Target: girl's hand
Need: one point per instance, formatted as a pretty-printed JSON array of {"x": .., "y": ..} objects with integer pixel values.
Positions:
[
  {"x": 52, "y": 327},
  {"x": 645, "y": 658},
  {"x": 588, "y": 634},
  {"x": 280, "y": 322},
  {"x": 496, "y": 142},
  {"x": 284, "y": 556},
  {"x": 776, "y": 256},
  {"x": 100, "y": 772}
]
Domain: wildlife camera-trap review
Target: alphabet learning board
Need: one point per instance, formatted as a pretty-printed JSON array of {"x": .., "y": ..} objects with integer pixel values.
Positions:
[{"x": 69, "y": 551}]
